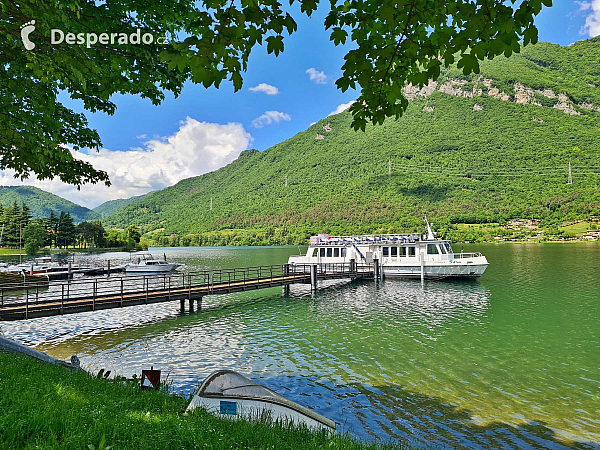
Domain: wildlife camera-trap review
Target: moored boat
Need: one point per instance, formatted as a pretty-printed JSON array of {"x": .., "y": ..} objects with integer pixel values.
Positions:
[
  {"x": 149, "y": 264},
  {"x": 228, "y": 394},
  {"x": 398, "y": 255}
]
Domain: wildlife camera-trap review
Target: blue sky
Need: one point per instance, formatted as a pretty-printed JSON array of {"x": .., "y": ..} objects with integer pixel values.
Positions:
[{"x": 148, "y": 147}]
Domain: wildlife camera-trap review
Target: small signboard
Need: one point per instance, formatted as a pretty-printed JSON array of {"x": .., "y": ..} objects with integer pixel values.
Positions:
[
  {"x": 150, "y": 379},
  {"x": 228, "y": 408}
]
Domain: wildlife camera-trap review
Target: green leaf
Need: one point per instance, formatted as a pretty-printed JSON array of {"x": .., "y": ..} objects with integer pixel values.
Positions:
[{"x": 274, "y": 44}]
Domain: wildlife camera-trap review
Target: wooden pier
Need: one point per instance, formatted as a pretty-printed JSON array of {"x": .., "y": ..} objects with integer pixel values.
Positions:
[{"x": 43, "y": 300}]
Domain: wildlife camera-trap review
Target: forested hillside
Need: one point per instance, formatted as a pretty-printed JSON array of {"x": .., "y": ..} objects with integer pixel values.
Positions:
[
  {"x": 42, "y": 203},
  {"x": 477, "y": 149},
  {"x": 112, "y": 206}
]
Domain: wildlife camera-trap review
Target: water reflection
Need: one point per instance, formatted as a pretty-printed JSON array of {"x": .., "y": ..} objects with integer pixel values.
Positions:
[{"x": 471, "y": 364}]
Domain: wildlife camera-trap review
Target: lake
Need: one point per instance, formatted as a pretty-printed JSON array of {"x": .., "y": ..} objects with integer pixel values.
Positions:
[{"x": 509, "y": 360}]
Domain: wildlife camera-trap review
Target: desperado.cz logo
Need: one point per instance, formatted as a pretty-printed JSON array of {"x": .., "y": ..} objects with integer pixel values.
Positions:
[{"x": 58, "y": 36}]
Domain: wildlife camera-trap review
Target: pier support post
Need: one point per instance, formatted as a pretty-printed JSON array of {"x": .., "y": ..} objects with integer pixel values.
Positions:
[
  {"x": 313, "y": 276},
  {"x": 376, "y": 269},
  {"x": 182, "y": 304},
  {"x": 108, "y": 270},
  {"x": 191, "y": 302},
  {"x": 285, "y": 290},
  {"x": 199, "y": 303}
]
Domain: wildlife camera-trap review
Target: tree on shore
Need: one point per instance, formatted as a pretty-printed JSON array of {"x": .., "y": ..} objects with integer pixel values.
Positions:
[
  {"x": 34, "y": 237},
  {"x": 66, "y": 230},
  {"x": 393, "y": 43}
]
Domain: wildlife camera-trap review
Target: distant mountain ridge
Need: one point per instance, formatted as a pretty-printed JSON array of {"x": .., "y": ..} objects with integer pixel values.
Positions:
[
  {"x": 481, "y": 148},
  {"x": 112, "y": 206},
  {"x": 41, "y": 203}
]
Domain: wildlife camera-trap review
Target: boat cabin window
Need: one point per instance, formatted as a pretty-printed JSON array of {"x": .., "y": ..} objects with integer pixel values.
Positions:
[
  {"x": 394, "y": 252},
  {"x": 315, "y": 252},
  {"x": 432, "y": 249},
  {"x": 402, "y": 251},
  {"x": 448, "y": 247},
  {"x": 443, "y": 249},
  {"x": 343, "y": 253},
  {"x": 336, "y": 252},
  {"x": 412, "y": 251},
  {"x": 386, "y": 251},
  {"x": 322, "y": 252},
  {"x": 329, "y": 250}
]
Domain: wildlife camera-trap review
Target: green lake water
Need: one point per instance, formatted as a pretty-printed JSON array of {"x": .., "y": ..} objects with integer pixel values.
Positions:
[{"x": 509, "y": 360}]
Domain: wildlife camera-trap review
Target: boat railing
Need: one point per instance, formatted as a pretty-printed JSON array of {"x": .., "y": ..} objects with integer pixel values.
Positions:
[
  {"x": 467, "y": 255},
  {"x": 366, "y": 239}
]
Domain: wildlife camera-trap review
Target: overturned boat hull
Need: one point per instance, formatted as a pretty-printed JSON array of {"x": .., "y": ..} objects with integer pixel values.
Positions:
[{"x": 229, "y": 394}]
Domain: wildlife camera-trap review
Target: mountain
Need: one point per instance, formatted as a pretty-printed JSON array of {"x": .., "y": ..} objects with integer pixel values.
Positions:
[
  {"x": 41, "y": 203},
  {"x": 112, "y": 206},
  {"x": 470, "y": 149}
]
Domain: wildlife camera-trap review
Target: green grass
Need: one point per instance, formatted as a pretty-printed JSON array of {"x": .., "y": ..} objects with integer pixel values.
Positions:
[
  {"x": 578, "y": 227},
  {"x": 10, "y": 251},
  {"x": 45, "y": 406}
]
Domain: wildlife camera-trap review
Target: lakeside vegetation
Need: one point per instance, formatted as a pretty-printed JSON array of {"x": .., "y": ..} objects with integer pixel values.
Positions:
[
  {"x": 460, "y": 158},
  {"x": 20, "y": 230},
  {"x": 46, "y": 406}
]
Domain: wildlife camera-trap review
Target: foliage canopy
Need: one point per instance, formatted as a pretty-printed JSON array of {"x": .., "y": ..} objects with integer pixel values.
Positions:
[{"x": 395, "y": 42}]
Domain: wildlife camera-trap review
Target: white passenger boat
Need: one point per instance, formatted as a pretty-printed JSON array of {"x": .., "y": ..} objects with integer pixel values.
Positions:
[
  {"x": 398, "y": 255},
  {"x": 149, "y": 264},
  {"x": 229, "y": 394}
]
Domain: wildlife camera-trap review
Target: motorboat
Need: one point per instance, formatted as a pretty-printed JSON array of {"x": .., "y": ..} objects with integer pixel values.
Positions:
[
  {"x": 398, "y": 255},
  {"x": 149, "y": 264},
  {"x": 226, "y": 393},
  {"x": 40, "y": 265}
]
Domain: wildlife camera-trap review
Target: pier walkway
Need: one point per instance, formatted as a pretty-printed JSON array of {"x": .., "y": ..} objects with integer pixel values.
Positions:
[{"x": 34, "y": 300}]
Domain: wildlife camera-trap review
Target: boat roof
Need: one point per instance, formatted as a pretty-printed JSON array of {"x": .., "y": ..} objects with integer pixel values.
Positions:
[
  {"x": 230, "y": 384},
  {"x": 394, "y": 239}
]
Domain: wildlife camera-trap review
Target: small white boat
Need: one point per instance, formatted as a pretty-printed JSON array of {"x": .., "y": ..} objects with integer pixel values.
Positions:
[
  {"x": 229, "y": 394},
  {"x": 43, "y": 264},
  {"x": 149, "y": 264}
]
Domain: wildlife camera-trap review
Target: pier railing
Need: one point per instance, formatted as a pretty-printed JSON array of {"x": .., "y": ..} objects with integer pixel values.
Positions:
[{"x": 115, "y": 288}]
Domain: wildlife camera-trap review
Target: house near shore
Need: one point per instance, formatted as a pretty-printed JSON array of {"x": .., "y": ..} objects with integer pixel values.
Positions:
[{"x": 591, "y": 235}]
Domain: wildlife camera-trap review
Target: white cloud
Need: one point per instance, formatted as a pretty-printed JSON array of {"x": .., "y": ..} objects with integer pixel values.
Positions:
[
  {"x": 196, "y": 148},
  {"x": 270, "y": 117},
  {"x": 341, "y": 108},
  {"x": 316, "y": 76},
  {"x": 142, "y": 136},
  {"x": 265, "y": 88},
  {"x": 592, "y": 20}
]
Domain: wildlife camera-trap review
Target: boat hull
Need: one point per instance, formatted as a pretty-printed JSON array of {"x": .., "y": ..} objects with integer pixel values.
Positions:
[
  {"x": 436, "y": 272},
  {"x": 258, "y": 410},
  {"x": 163, "y": 268}
]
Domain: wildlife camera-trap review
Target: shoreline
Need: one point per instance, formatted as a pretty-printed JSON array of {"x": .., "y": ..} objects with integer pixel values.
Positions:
[{"x": 83, "y": 410}]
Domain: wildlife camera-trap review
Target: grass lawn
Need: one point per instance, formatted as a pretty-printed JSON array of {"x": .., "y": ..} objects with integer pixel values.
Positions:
[
  {"x": 577, "y": 228},
  {"x": 46, "y": 406},
  {"x": 10, "y": 251}
]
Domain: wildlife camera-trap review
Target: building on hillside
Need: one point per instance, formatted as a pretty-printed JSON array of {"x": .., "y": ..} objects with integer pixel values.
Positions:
[
  {"x": 591, "y": 235},
  {"x": 520, "y": 224}
]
